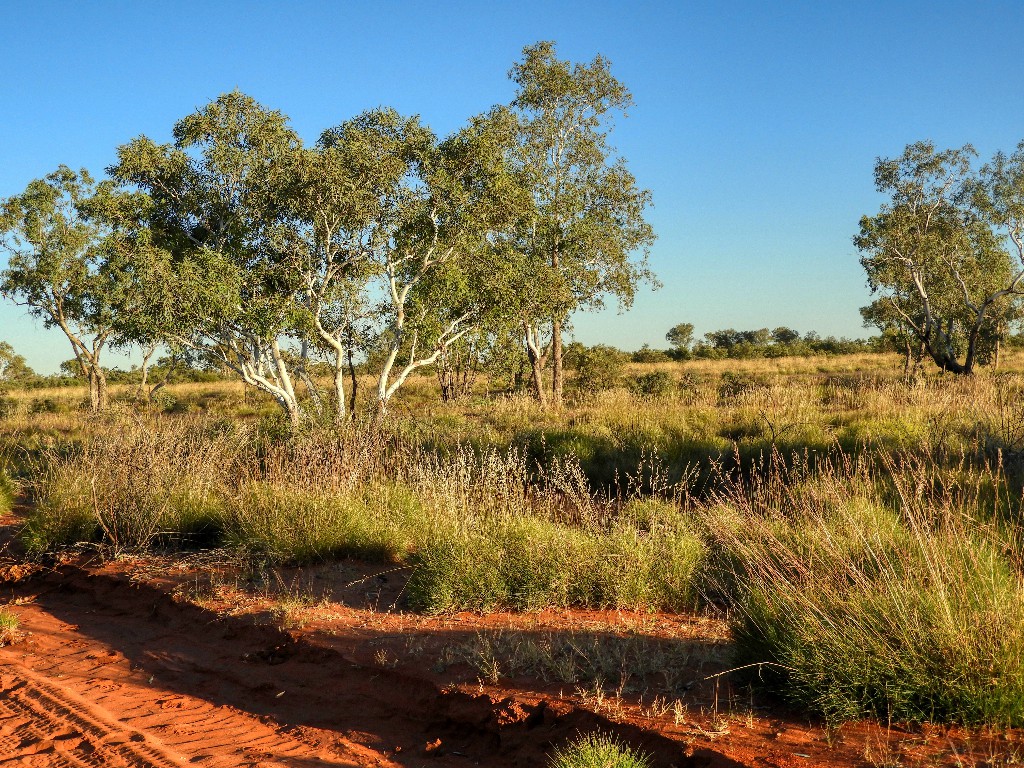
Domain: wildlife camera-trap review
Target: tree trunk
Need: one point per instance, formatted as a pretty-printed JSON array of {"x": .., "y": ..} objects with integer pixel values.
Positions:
[
  {"x": 557, "y": 374},
  {"x": 97, "y": 388},
  {"x": 355, "y": 384},
  {"x": 556, "y": 345},
  {"x": 339, "y": 389},
  {"x": 143, "y": 391},
  {"x": 537, "y": 361},
  {"x": 294, "y": 414}
]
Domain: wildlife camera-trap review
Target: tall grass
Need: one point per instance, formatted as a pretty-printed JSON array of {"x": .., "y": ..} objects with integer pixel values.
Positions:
[
  {"x": 131, "y": 483},
  {"x": 862, "y": 599},
  {"x": 8, "y": 491}
]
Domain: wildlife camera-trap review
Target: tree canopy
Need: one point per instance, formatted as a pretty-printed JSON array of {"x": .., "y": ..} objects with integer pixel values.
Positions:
[{"x": 945, "y": 253}]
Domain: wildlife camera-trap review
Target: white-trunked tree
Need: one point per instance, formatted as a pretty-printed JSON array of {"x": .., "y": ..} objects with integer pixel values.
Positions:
[
  {"x": 56, "y": 269},
  {"x": 207, "y": 262},
  {"x": 946, "y": 254}
]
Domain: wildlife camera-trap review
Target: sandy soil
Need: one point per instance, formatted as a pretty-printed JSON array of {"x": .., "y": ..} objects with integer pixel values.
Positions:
[{"x": 168, "y": 662}]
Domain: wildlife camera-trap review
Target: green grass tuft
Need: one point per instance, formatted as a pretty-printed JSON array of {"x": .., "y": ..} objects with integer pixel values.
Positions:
[{"x": 598, "y": 750}]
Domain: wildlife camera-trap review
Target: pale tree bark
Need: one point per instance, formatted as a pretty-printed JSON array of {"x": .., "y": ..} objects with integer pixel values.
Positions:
[
  {"x": 260, "y": 363},
  {"x": 557, "y": 374},
  {"x": 88, "y": 358},
  {"x": 386, "y": 386},
  {"x": 400, "y": 284},
  {"x": 145, "y": 390},
  {"x": 537, "y": 354}
]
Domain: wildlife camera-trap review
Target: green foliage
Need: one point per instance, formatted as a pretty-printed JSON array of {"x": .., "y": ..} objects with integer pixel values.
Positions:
[
  {"x": 527, "y": 563},
  {"x": 9, "y": 623},
  {"x": 597, "y": 367},
  {"x": 781, "y": 342},
  {"x": 656, "y": 383},
  {"x": 13, "y": 368},
  {"x": 597, "y": 750},
  {"x": 55, "y": 239},
  {"x": 944, "y": 253},
  {"x": 681, "y": 338},
  {"x": 856, "y": 610},
  {"x": 294, "y": 525},
  {"x": 647, "y": 355},
  {"x": 63, "y": 516},
  {"x": 735, "y": 384},
  {"x": 586, "y": 237},
  {"x": 8, "y": 491}
]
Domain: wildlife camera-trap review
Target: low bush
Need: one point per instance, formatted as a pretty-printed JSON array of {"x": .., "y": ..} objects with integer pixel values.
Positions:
[
  {"x": 654, "y": 383},
  {"x": 598, "y": 750},
  {"x": 297, "y": 525},
  {"x": 528, "y": 563}
]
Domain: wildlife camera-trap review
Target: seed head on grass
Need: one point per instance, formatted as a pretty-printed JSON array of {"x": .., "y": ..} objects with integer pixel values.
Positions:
[{"x": 598, "y": 750}]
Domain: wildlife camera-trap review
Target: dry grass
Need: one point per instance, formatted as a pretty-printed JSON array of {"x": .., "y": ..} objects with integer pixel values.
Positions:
[{"x": 839, "y": 512}]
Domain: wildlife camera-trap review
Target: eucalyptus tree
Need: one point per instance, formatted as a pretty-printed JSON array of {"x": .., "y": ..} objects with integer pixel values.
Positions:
[
  {"x": 347, "y": 199},
  {"x": 56, "y": 268},
  {"x": 945, "y": 253},
  {"x": 386, "y": 234},
  {"x": 585, "y": 237},
  {"x": 439, "y": 250},
  {"x": 13, "y": 367},
  {"x": 680, "y": 336},
  {"x": 207, "y": 261},
  {"x": 897, "y": 334}
]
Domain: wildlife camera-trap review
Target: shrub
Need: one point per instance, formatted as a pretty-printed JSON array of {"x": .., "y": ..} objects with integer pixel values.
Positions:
[
  {"x": 735, "y": 384},
  {"x": 598, "y": 750},
  {"x": 647, "y": 355},
  {"x": 48, "y": 405},
  {"x": 598, "y": 367},
  {"x": 653, "y": 383}
]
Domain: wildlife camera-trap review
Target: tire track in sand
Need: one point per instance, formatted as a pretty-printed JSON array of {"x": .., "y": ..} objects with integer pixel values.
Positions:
[{"x": 42, "y": 724}]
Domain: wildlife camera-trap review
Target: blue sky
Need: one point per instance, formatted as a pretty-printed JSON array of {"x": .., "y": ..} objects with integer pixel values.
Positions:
[{"x": 756, "y": 125}]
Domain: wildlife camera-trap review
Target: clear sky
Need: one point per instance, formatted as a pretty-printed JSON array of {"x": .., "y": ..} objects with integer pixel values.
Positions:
[{"x": 756, "y": 127}]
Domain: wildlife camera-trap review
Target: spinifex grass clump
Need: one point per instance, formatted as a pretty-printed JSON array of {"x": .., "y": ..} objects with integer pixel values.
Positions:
[
  {"x": 873, "y": 607},
  {"x": 598, "y": 750},
  {"x": 283, "y": 523},
  {"x": 131, "y": 483},
  {"x": 8, "y": 490},
  {"x": 525, "y": 562},
  {"x": 9, "y": 624}
]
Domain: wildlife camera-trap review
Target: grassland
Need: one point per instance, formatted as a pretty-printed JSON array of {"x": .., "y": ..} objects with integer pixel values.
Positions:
[{"x": 861, "y": 533}]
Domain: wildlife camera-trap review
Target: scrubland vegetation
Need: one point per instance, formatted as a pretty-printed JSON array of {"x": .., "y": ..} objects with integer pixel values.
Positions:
[
  {"x": 861, "y": 532},
  {"x": 856, "y": 519}
]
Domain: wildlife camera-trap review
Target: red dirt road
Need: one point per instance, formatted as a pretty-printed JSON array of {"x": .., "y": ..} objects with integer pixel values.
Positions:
[{"x": 111, "y": 672}]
